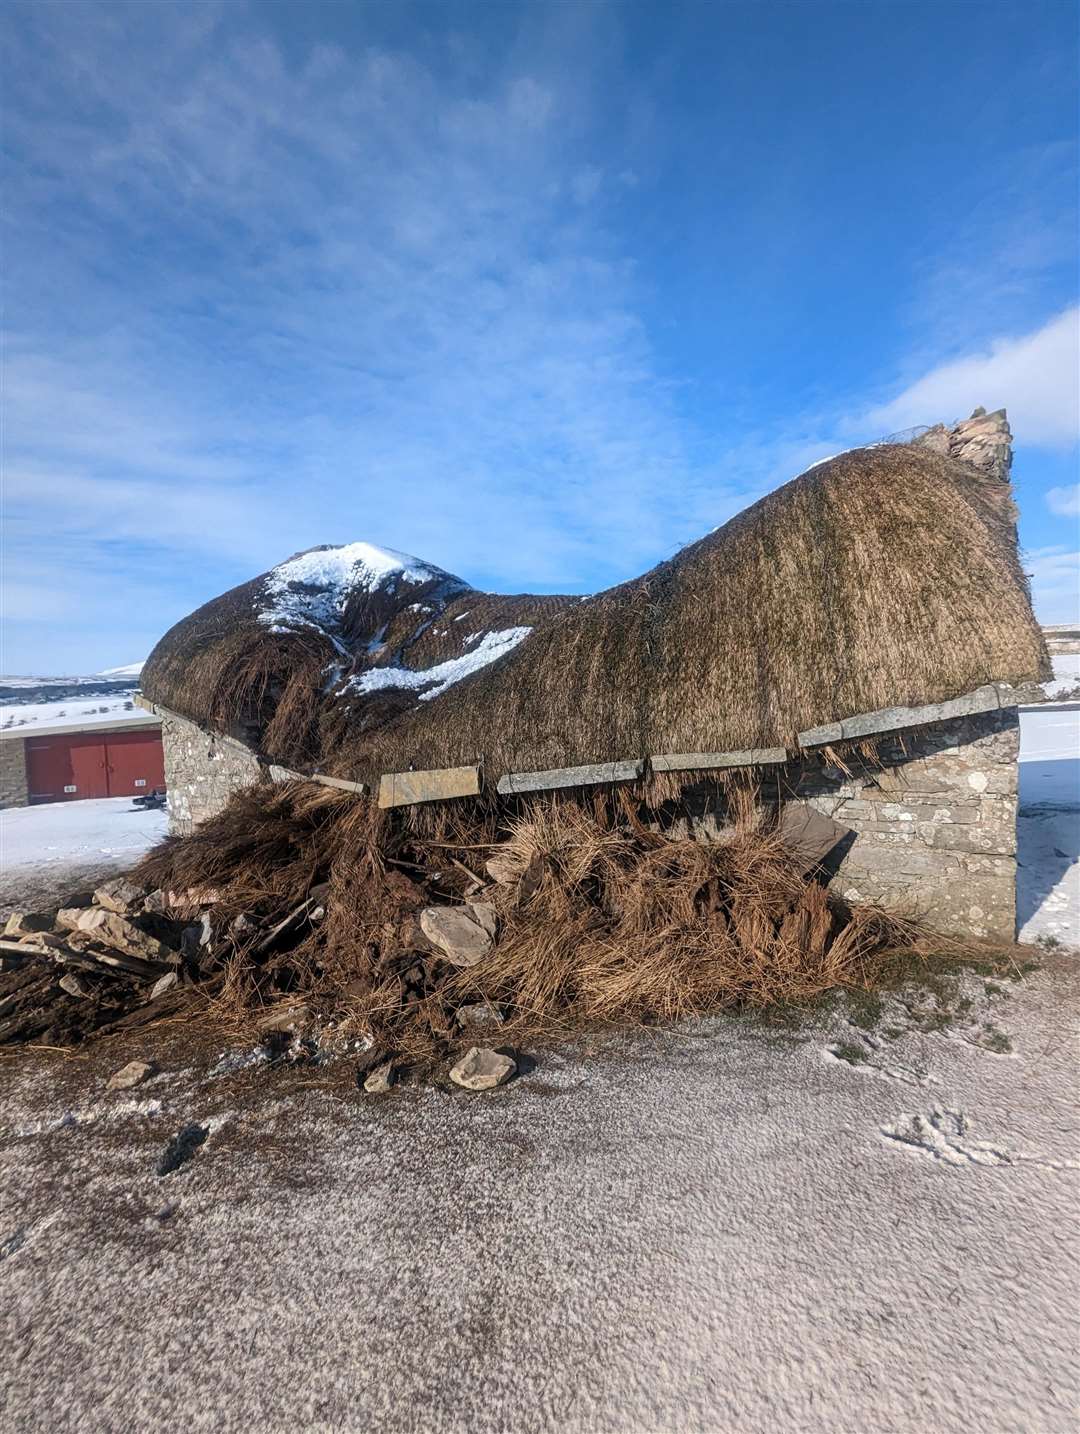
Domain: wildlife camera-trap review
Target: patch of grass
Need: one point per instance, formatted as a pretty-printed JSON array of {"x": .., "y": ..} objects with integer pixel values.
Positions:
[
  {"x": 995, "y": 1040},
  {"x": 849, "y": 1051},
  {"x": 864, "y": 1009},
  {"x": 993, "y": 989}
]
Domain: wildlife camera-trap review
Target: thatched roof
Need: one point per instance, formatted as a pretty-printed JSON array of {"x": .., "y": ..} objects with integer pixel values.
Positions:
[{"x": 886, "y": 575}]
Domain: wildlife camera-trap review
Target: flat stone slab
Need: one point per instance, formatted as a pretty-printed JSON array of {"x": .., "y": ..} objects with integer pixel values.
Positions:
[
  {"x": 400, "y": 789},
  {"x": 457, "y": 934},
  {"x": 589, "y": 776},
  {"x": 131, "y": 1075},
  {"x": 482, "y": 1069}
]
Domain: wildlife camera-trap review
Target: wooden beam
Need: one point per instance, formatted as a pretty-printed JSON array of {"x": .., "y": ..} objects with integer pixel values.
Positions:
[
  {"x": 401, "y": 789},
  {"x": 284, "y": 774},
  {"x": 688, "y": 761},
  {"x": 570, "y": 777},
  {"x": 339, "y": 782}
]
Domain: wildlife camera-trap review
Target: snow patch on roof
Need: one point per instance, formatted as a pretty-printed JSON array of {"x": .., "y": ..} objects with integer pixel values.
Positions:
[
  {"x": 435, "y": 680},
  {"x": 312, "y": 589}
]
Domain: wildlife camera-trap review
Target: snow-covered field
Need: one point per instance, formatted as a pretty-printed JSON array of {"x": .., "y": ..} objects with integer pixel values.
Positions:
[
  {"x": 69, "y": 712},
  {"x": 57, "y": 701},
  {"x": 1048, "y": 825},
  {"x": 110, "y": 674}
]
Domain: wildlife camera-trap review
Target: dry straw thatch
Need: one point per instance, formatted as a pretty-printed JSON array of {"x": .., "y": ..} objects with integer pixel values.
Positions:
[
  {"x": 885, "y": 576},
  {"x": 600, "y": 920}
]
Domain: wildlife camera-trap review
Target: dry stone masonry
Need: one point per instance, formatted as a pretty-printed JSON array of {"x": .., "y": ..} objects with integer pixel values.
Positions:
[
  {"x": 935, "y": 827},
  {"x": 202, "y": 770}
]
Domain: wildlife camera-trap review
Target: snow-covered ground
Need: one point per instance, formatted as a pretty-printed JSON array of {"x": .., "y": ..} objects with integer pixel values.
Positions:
[
  {"x": 1048, "y": 825},
  {"x": 50, "y": 851},
  {"x": 1066, "y": 674},
  {"x": 107, "y": 829}
]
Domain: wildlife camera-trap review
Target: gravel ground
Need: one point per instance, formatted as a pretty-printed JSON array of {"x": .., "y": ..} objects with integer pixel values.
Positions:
[{"x": 736, "y": 1227}]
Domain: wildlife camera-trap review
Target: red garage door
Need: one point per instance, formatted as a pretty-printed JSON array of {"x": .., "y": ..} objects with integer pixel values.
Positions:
[
  {"x": 135, "y": 762},
  {"x": 65, "y": 768}
]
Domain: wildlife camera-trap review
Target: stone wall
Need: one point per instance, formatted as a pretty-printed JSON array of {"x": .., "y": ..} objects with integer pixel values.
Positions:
[
  {"x": 935, "y": 827},
  {"x": 201, "y": 771},
  {"x": 14, "y": 791}
]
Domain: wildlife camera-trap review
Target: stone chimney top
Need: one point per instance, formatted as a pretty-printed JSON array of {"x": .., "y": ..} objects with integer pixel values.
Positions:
[{"x": 984, "y": 440}]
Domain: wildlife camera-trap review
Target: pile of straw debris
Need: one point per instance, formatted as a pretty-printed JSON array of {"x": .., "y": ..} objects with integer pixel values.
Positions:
[{"x": 308, "y": 915}]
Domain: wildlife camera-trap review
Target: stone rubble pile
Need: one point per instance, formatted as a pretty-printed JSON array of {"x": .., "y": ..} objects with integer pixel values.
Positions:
[{"x": 125, "y": 956}]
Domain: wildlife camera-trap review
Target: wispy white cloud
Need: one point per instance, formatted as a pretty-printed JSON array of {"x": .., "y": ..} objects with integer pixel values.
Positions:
[
  {"x": 367, "y": 305},
  {"x": 1064, "y": 501},
  {"x": 1036, "y": 376},
  {"x": 1055, "y": 583}
]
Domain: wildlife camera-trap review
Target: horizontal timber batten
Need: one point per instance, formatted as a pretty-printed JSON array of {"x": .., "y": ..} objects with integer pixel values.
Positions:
[
  {"x": 340, "y": 783},
  {"x": 400, "y": 789}
]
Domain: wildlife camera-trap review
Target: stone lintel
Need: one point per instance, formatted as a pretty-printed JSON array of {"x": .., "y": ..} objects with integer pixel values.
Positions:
[
  {"x": 891, "y": 719},
  {"x": 689, "y": 761},
  {"x": 341, "y": 783},
  {"x": 589, "y": 776}
]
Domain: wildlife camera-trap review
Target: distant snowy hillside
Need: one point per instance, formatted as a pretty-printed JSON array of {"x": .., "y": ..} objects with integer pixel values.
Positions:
[
  {"x": 111, "y": 676},
  {"x": 133, "y": 669},
  {"x": 32, "y": 702}
]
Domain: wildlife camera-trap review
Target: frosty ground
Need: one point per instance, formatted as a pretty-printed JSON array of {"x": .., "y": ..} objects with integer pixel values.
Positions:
[
  {"x": 863, "y": 1222},
  {"x": 51, "y": 851},
  {"x": 862, "y": 1218}
]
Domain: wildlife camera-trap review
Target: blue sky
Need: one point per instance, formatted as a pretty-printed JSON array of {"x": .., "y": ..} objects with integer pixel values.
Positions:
[{"x": 536, "y": 292}]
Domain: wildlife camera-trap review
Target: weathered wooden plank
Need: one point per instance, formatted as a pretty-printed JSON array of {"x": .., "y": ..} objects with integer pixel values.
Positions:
[
  {"x": 401, "y": 789},
  {"x": 589, "y": 776},
  {"x": 277, "y": 773},
  {"x": 340, "y": 782},
  {"x": 687, "y": 761},
  {"x": 284, "y": 774},
  {"x": 891, "y": 719}
]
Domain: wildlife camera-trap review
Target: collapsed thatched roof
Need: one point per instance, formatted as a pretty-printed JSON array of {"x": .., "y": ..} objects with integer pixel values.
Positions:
[{"x": 886, "y": 575}]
